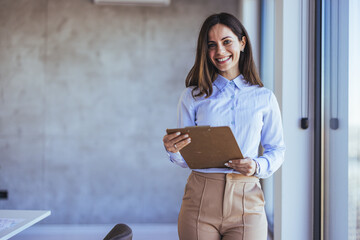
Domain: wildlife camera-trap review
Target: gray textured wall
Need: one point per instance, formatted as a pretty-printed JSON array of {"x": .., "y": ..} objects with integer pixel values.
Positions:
[{"x": 86, "y": 93}]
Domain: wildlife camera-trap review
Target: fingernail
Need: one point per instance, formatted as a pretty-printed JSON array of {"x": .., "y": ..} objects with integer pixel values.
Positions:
[
  {"x": 189, "y": 139},
  {"x": 230, "y": 161},
  {"x": 178, "y": 133},
  {"x": 226, "y": 164},
  {"x": 186, "y": 135}
]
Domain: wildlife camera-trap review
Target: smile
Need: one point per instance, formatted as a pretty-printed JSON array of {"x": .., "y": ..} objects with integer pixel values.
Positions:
[{"x": 222, "y": 60}]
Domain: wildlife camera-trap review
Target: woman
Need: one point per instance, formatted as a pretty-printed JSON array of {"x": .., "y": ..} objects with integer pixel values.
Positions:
[{"x": 224, "y": 89}]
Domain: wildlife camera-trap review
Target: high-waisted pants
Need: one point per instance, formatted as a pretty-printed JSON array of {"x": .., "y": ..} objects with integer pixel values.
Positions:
[{"x": 222, "y": 206}]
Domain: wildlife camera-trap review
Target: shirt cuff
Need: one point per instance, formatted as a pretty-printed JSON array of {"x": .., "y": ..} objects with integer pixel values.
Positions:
[
  {"x": 177, "y": 159},
  {"x": 262, "y": 165},
  {"x": 257, "y": 169}
]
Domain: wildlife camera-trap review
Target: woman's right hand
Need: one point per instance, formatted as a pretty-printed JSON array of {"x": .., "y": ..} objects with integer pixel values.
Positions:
[{"x": 174, "y": 142}]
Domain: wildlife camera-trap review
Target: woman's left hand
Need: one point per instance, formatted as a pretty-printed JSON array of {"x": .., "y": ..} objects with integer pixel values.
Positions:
[{"x": 246, "y": 166}]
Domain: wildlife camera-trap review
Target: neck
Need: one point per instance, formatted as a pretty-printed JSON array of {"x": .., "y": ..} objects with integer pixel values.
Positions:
[{"x": 230, "y": 75}]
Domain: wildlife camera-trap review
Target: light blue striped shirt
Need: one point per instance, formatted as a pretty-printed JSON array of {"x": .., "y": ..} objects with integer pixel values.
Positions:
[{"x": 252, "y": 113}]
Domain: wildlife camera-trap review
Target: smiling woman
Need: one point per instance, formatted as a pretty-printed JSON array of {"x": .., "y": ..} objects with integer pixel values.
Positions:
[
  {"x": 224, "y": 50},
  {"x": 222, "y": 36},
  {"x": 224, "y": 89}
]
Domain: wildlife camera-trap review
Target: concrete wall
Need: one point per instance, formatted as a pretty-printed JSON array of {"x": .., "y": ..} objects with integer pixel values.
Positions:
[{"x": 86, "y": 93}]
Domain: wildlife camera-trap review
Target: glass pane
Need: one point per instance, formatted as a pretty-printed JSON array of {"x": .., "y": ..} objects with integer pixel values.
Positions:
[
  {"x": 336, "y": 93},
  {"x": 354, "y": 121},
  {"x": 267, "y": 76}
]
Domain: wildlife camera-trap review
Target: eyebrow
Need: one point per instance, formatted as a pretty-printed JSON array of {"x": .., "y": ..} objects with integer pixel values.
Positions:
[{"x": 222, "y": 38}]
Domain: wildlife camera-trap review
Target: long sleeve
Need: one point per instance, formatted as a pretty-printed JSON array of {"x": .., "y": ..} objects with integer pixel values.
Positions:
[
  {"x": 186, "y": 118},
  {"x": 271, "y": 140}
]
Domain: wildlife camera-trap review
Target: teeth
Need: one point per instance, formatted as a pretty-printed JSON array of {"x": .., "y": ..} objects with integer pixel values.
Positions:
[{"x": 223, "y": 59}]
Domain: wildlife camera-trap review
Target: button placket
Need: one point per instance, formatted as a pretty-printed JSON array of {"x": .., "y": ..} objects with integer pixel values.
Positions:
[{"x": 233, "y": 103}]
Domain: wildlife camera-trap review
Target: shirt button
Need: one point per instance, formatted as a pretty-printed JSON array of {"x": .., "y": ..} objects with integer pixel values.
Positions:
[
  {"x": 232, "y": 96},
  {"x": 232, "y": 122},
  {"x": 232, "y": 108}
]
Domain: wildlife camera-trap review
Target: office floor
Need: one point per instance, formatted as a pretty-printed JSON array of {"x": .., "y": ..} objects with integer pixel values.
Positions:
[{"x": 96, "y": 232}]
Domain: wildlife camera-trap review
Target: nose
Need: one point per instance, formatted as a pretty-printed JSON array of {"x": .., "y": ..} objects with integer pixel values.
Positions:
[{"x": 220, "y": 49}]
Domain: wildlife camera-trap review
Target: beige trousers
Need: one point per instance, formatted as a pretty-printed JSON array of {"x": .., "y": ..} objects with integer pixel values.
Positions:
[{"x": 222, "y": 206}]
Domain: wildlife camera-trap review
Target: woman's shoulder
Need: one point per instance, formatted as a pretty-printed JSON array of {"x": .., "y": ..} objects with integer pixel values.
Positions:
[
  {"x": 265, "y": 90},
  {"x": 268, "y": 96},
  {"x": 189, "y": 94},
  {"x": 186, "y": 95},
  {"x": 188, "y": 90},
  {"x": 261, "y": 91}
]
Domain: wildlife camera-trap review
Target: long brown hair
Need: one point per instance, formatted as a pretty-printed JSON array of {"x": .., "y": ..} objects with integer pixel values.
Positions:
[{"x": 203, "y": 73}]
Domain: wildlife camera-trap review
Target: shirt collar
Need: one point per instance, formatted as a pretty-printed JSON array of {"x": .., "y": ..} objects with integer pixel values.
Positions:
[{"x": 220, "y": 82}]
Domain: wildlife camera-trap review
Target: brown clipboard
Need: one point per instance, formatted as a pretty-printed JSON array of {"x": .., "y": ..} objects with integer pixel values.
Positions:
[{"x": 210, "y": 147}]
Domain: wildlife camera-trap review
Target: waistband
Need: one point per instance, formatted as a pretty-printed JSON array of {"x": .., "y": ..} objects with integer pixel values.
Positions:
[{"x": 227, "y": 176}]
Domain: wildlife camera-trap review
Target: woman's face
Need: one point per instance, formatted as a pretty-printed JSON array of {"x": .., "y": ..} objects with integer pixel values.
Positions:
[{"x": 224, "y": 49}]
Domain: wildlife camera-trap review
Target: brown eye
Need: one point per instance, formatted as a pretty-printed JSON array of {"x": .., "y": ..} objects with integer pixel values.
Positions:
[
  {"x": 227, "y": 42},
  {"x": 211, "y": 45}
]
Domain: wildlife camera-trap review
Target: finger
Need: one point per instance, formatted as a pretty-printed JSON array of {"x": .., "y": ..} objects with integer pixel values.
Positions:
[
  {"x": 239, "y": 164},
  {"x": 247, "y": 171},
  {"x": 174, "y": 146},
  {"x": 183, "y": 143},
  {"x": 240, "y": 159},
  {"x": 245, "y": 161},
  {"x": 169, "y": 137},
  {"x": 244, "y": 171},
  {"x": 240, "y": 169},
  {"x": 178, "y": 139}
]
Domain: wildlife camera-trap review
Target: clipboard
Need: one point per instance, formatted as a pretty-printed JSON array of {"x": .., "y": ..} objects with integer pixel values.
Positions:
[{"x": 210, "y": 147}]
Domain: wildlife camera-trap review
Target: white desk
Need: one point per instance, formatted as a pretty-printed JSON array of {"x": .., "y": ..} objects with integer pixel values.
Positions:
[{"x": 22, "y": 219}]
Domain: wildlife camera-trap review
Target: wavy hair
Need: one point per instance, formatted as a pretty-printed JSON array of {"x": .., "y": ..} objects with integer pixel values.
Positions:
[{"x": 203, "y": 73}]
